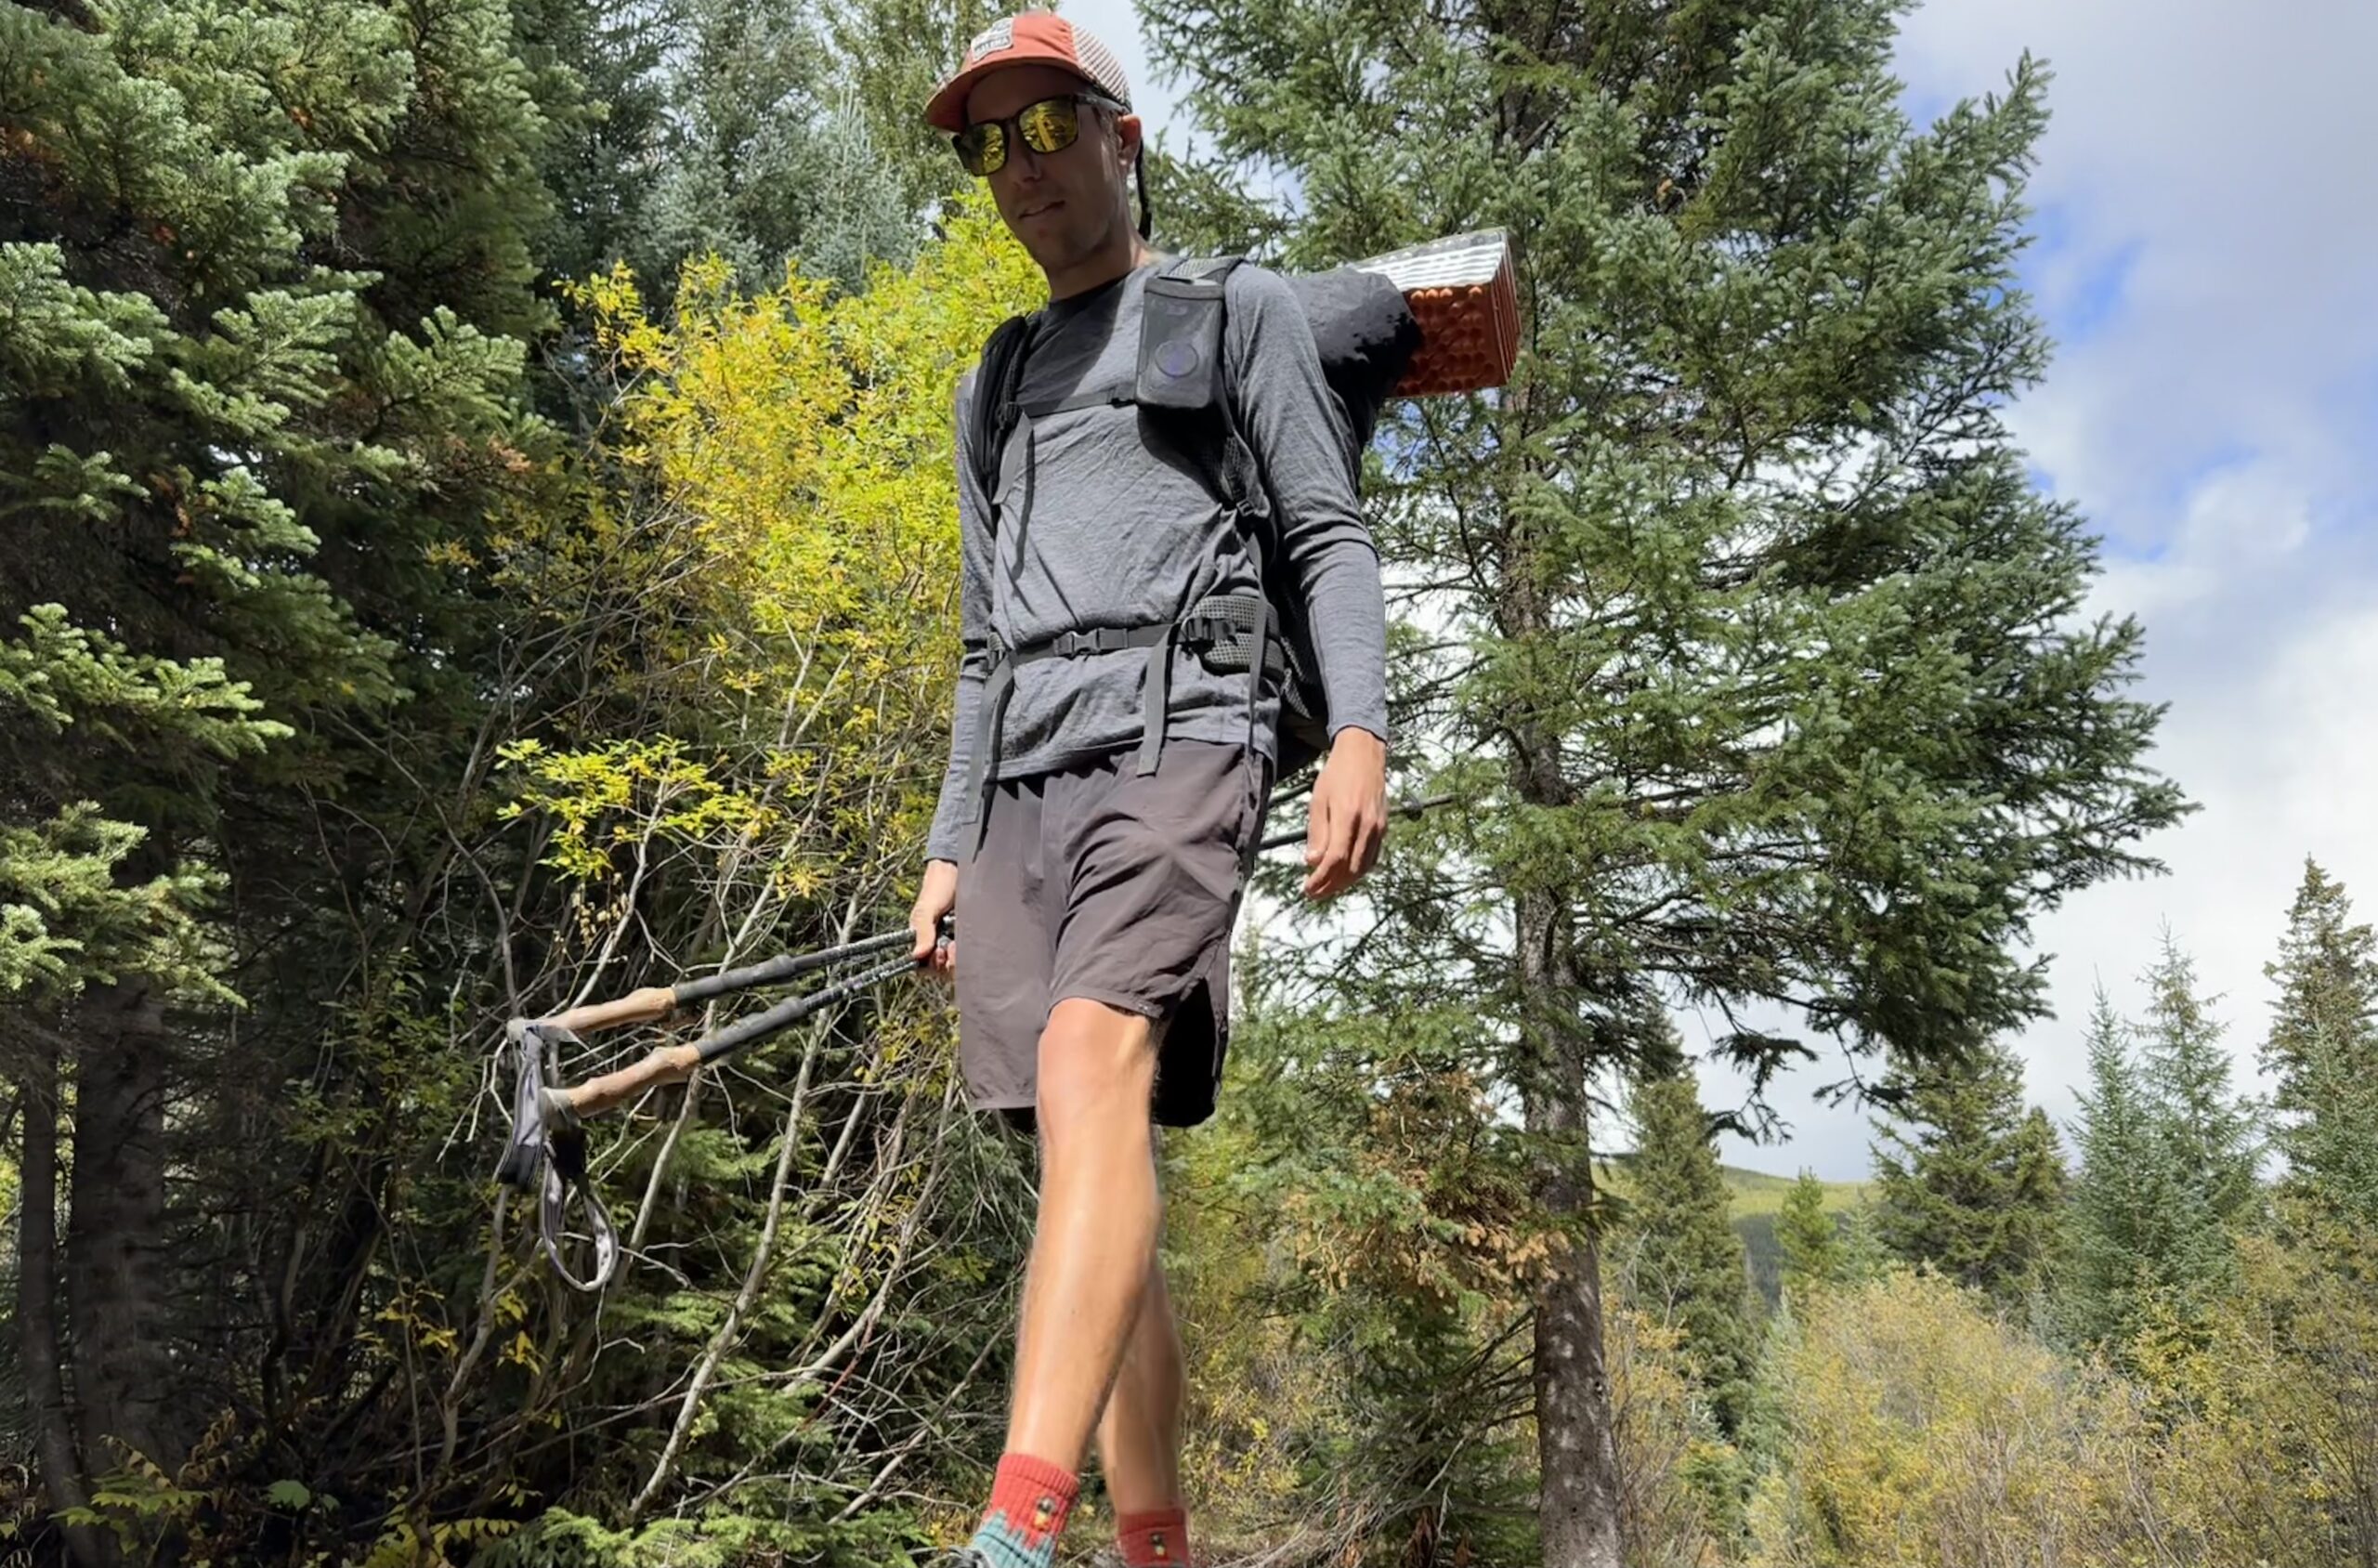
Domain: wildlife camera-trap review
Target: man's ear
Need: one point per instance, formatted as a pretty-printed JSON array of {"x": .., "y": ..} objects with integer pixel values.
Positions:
[{"x": 1126, "y": 138}]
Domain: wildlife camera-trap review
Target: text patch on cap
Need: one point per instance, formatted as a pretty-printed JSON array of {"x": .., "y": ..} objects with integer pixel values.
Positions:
[{"x": 1000, "y": 35}]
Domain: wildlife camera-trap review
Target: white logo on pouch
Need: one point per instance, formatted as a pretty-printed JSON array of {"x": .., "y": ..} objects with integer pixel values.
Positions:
[{"x": 1000, "y": 35}]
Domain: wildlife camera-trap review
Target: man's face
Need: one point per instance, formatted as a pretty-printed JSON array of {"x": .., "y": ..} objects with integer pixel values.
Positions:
[{"x": 1062, "y": 206}]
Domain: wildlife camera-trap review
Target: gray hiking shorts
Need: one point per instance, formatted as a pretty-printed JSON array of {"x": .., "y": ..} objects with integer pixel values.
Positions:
[{"x": 1093, "y": 882}]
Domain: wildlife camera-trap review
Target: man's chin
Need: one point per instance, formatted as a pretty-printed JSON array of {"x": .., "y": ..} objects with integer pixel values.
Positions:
[{"x": 1051, "y": 253}]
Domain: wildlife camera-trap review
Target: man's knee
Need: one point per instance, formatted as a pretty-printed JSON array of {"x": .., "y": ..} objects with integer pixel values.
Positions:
[{"x": 1096, "y": 1062}]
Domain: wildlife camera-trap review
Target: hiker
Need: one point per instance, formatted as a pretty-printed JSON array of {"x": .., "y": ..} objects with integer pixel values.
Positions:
[{"x": 1106, "y": 781}]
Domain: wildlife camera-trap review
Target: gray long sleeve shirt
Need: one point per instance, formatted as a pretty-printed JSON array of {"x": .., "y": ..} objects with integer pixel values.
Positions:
[{"x": 1102, "y": 526}]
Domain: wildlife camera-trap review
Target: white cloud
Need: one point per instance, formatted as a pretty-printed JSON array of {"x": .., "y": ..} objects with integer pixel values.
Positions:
[{"x": 2217, "y": 148}]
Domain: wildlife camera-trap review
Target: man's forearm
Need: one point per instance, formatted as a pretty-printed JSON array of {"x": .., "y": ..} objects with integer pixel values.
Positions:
[
  {"x": 1346, "y": 610},
  {"x": 946, "y": 839}
]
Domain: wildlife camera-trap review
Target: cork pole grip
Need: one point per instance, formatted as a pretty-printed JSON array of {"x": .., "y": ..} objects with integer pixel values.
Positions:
[
  {"x": 651, "y": 1005},
  {"x": 671, "y": 1063}
]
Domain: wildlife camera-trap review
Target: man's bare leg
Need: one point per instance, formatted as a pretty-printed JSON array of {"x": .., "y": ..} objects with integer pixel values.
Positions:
[
  {"x": 1139, "y": 1437},
  {"x": 1095, "y": 1245}
]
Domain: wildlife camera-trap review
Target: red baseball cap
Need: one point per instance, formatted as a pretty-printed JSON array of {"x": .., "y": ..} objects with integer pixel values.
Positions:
[{"x": 1028, "y": 38}]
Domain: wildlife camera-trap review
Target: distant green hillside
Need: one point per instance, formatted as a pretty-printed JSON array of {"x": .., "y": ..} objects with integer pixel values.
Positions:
[
  {"x": 1757, "y": 1193},
  {"x": 1757, "y": 1199},
  {"x": 1754, "y": 1192}
]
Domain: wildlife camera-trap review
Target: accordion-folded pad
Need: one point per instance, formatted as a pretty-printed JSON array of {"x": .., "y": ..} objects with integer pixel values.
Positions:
[{"x": 1462, "y": 292}]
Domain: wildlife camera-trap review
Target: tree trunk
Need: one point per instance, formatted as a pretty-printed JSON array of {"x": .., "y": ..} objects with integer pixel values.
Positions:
[
  {"x": 1576, "y": 1450},
  {"x": 52, "y": 1435},
  {"x": 115, "y": 1245}
]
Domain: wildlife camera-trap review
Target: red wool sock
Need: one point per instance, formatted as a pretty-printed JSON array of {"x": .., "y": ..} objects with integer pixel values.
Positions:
[
  {"x": 1029, "y": 1501},
  {"x": 1158, "y": 1539}
]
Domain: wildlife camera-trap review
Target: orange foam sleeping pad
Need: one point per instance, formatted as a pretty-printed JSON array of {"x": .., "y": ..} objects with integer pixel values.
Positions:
[{"x": 1462, "y": 292}]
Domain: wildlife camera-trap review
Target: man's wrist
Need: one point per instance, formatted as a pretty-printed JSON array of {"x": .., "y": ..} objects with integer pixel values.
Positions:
[{"x": 1358, "y": 738}]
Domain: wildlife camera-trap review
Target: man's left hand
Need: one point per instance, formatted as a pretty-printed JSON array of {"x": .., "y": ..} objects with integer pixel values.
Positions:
[{"x": 1347, "y": 814}]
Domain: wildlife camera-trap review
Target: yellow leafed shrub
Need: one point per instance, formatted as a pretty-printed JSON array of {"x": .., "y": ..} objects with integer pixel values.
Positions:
[
  {"x": 776, "y": 575},
  {"x": 1674, "y": 1471},
  {"x": 2273, "y": 1453},
  {"x": 1918, "y": 1428}
]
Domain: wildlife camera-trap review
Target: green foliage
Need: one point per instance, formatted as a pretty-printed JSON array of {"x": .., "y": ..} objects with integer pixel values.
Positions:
[
  {"x": 173, "y": 404},
  {"x": 1755, "y": 1202},
  {"x": 757, "y": 133},
  {"x": 68, "y": 920},
  {"x": 892, "y": 53},
  {"x": 752, "y": 162},
  {"x": 1808, "y": 1238},
  {"x": 2186, "y": 1067},
  {"x": 258, "y": 352},
  {"x": 2146, "y": 1244},
  {"x": 2322, "y": 1051},
  {"x": 1357, "y": 1382},
  {"x": 1673, "y": 1253},
  {"x": 1924, "y": 1432},
  {"x": 1969, "y": 1182}
]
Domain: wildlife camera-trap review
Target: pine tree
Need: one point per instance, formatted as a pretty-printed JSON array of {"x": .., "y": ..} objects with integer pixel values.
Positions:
[
  {"x": 891, "y": 55},
  {"x": 1968, "y": 1181},
  {"x": 1683, "y": 1263},
  {"x": 2138, "y": 1220},
  {"x": 1864, "y": 1256},
  {"x": 2187, "y": 1068},
  {"x": 260, "y": 405},
  {"x": 753, "y": 130},
  {"x": 603, "y": 71},
  {"x": 2322, "y": 1051},
  {"x": 794, "y": 131},
  {"x": 1761, "y": 643},
  {"x": 1808, "y": 1236}
]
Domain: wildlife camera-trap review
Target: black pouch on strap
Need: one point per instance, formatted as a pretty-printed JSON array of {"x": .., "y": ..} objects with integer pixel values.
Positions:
[{"x": 1181, "y": 336}]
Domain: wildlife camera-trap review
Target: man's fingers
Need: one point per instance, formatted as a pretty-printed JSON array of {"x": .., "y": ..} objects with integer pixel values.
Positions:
[
  {"x": 1317, "y": 842},
  {"x": 1342, "y": 844},
  {"x": 1329, "y": 847},
  {"x": 1367, "y": 845}
]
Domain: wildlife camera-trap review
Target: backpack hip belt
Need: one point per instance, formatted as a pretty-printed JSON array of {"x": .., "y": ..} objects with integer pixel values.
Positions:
[{"x": 1228, "y": 631}]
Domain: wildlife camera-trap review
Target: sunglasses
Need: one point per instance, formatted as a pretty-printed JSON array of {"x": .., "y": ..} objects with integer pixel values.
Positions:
[{"x": 1051, "y": 126}]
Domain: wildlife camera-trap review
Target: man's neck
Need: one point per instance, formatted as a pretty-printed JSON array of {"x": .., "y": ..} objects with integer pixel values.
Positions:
[{"x": 1108, "y": 263}]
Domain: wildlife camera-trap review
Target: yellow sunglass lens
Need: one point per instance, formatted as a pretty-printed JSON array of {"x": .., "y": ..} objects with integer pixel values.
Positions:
[
  {"x": 983, "y": 148},
  {"x": 1048, "y": 126}
]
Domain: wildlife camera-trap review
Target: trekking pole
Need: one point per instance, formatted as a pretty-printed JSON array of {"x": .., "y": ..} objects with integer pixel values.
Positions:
[{"x": 546, "y": 1151}]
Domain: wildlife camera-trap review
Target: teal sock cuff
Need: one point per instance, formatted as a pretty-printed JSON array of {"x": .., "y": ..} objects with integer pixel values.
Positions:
[{"x": 1003, "y": 1545}]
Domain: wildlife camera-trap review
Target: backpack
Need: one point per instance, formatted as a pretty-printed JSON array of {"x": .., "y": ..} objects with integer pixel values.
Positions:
[{"x": 1365, "y": 334}]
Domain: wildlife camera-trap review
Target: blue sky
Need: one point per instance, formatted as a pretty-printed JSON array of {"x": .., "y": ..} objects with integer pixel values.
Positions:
[{"x": 2206, "y": 255}]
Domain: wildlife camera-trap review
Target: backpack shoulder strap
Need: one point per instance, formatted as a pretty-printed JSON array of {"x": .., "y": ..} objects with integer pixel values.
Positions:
[
  {"x": 1201, "y": 269},
  {"x": 1242, "y": 479},
  {"x": 992, "y": 415}
]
